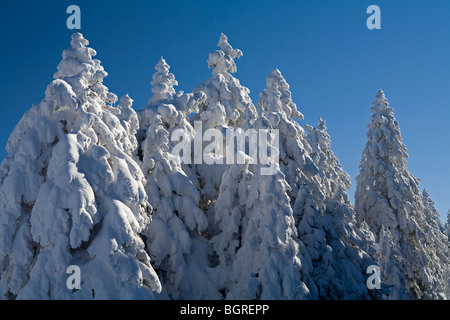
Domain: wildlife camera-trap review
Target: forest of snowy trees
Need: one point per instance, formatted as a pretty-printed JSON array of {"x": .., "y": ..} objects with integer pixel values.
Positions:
[{"x": 152, "y": 202}]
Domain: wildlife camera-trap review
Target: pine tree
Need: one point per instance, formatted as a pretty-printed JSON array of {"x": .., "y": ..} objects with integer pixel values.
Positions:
[
  {"x": 388, "y": 198},
  {"x": 257, "y": 243},
  {"x": 244, "y": 221},
  {"x": 306, "y": 196},
  {"x": 227, "y": 106},
  {"x": 436, "y": 242},
  {"x": 448, "y": 224},
  {"x": 318, "y": 197},
  {"x": 334, "y": 180},
  {"x": 351, "y": 247},
  {"x": 178, "y": 219},
  {"x": 227, "y": 102},
  {"x": 276, "y": 105},
  {"x": 71, "y": 193}
]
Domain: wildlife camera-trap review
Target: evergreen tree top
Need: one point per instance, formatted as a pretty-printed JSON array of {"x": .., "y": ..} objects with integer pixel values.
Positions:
[
  {"x": 78, "y": 41},
  {"x": 277, "y": 98},
  {"x": 381, "y": 110},
  {"x": 83, "y": 73},
  {"x": 223, "y": 60},
  {"x": 125, "y": 102},
  {"x": 321, "y": 126},
  {"x": 162, "y": 83},
  {"x": 384, "y": 137}
]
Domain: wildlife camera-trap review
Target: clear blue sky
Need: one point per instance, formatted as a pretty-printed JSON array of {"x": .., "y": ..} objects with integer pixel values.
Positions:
[{"x": 333, "y": 63}]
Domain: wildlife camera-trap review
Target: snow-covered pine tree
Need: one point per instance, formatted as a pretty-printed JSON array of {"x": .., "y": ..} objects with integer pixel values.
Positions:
[
  {"x": 388, "y": 199},
  {"x": 447, "y": 224},
  {"x": 306, "y": 192},
  {"x": 71, "y": 193},
  {"x": 334, "y": 180},
  {"x": 436, "y": 243},
  {"x": 173, "y": 238},
  {"x": 301, "y": 174},
  {"x": 257, "y": 244},
  {"x": 242, "y": 223},
  {"x": 276, "y": 105},
  {"x": 351, "y": 247},
  {"x": 227, "y": 102},
  {"x": 227, "y": 106}
]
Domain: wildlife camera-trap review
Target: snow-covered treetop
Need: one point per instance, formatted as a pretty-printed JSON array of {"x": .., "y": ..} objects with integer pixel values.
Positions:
[
  {"x": 82, "y": 72},
  {"x": 227, "y": 101},
  {"x": 334, "y": 179},
  {"x": 223, "y": 60},
  {"x": 162, "y": 83},
  {"x": 277, "y": 98},
  {"x": 318, "y": 138},
  {"x": 384, "y": 137},
  {"x": 432, "y": 214},
  {"x": 173, "y": 107}
]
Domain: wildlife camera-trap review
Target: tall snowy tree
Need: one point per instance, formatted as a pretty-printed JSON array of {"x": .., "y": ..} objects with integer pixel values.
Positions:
[
  {"x": 318, "y": 199},
  {"x": 448, "y": 224},
  {"x": 301, "y": 174},
  {"x": 254, "y": 252},
  {"x": 257, "y": 244},
  {"x": 388, "y": 199},
  {"x": 351, "y": 247},
  {"x": 227, "y": 102},
  {"x": 436, "y": 241},
  {"x": 276, "y": 105},
  {"x": 173, "y": 237},
  {"x": 71, "y": 193},
  {"x": 227, "y": 106},
  {"x": 334, "y": 180}
]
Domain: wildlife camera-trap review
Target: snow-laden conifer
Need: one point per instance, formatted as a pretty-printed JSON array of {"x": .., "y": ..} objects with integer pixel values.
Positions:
[
  {"x": 227, "y": 107},
  {"x": 388, "y": 199},
  {"x": 351, "y": 247},
  {"x": 257, "y": 243},
  {"x": 174, "y": 237},
  {"x": 71, "y": 193}
]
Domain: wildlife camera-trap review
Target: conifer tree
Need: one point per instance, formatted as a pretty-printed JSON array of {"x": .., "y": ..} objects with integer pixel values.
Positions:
[
  {"x": 227, "y": 102},
  {"x": 276, "y": 105},
  {"x": 448, "y": 224},
  {"x": 71, "y": 193},
  {"x": 327, "y": 233},
  {"x": 388, "y": 199},
  {"x": 227, "y": 106},
  {"x": 245, "y": 220},
  {"x": 350, "y": 246},
  {"x": 436, "y": 243},
  {"x": 257, "y": 243},
  {"x": 178, "y": 220}
]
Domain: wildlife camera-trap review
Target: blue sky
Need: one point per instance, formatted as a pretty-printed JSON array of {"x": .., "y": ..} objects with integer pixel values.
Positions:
[{"x": 333, "y": 63}]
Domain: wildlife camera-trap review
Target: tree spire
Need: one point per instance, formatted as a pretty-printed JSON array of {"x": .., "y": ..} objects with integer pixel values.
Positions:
[
  {"x": 388, "y": 199},
  {"x": 223, "y": 60},
  {"x": 162, "y": 83}
]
